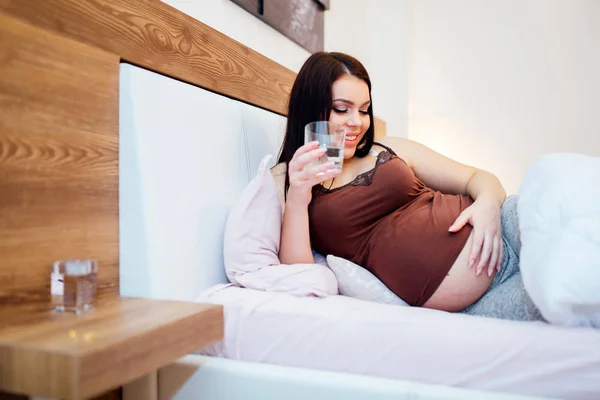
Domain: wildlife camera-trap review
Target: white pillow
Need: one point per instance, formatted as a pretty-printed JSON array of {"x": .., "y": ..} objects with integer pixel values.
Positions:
[
  {"x": 251, "y": 245},
  {"x": 355, "y": 281},
  {"x": 559, "y": 218}
]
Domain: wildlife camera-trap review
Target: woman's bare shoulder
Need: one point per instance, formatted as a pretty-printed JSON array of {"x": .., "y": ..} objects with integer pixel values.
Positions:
[
  {"x": 404, "y": 148},
  {"x": 395, "y": 143}
]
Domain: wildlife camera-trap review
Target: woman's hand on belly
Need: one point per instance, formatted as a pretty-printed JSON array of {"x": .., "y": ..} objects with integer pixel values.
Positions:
[
  {"x": 461, "y": 287},
  {"x": 487, "y": 250}
]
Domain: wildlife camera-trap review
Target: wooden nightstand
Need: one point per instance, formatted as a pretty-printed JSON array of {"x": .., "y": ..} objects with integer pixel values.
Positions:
[{"x": 69, "y": 356}]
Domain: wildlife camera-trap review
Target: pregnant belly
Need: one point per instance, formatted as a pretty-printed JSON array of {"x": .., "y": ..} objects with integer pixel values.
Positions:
[{"x": 461, "y": 287}]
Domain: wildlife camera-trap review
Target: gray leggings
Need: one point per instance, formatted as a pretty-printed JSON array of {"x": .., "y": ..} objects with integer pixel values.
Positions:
[{"x": 506, "y": 297}]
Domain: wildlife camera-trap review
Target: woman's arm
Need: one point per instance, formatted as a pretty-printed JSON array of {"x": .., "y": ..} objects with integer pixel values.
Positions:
[
  {"x": 484, "y": 184},
  {"x": 444, "y": 174},
  {"x": 294, "y": 246}
]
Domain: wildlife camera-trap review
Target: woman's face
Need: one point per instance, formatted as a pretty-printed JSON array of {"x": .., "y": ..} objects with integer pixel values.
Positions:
[{"x": 351, "y": 103}]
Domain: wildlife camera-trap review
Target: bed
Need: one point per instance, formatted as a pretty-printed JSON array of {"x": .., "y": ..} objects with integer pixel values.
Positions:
[
  {"x": 343, "y": 334},
  {"x": 187, "y": 115},
  {"x": 336, "y": 334}
]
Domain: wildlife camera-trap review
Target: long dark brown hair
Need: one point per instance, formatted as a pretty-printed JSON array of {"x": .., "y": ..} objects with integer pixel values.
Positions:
[{"x": 311, "y": 100}]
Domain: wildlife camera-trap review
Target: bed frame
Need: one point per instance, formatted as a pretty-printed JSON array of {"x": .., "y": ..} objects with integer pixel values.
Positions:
[
  {"x": 62, "y": 129},
  {"x": 61, "y": 133},
  {"x": 59, "y": 165}
]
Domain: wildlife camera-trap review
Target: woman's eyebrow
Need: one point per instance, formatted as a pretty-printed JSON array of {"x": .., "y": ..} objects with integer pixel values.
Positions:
[{"x": 351, "y": 103}]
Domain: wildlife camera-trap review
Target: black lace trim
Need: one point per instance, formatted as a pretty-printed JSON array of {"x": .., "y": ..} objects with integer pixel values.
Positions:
[
  {"x": 392, "y": 152},
  {"x": 366, "y": 178}
]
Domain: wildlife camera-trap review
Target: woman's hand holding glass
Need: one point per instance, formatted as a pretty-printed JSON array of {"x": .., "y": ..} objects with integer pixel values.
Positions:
[{"x": 304, "y": 173}]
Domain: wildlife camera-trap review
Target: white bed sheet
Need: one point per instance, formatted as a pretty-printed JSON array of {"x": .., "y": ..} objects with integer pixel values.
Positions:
[{"x": 343, "y": 334}]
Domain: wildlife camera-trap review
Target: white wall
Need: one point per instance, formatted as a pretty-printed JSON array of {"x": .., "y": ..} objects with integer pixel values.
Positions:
[
  {"x": 375, "y": 33},
  {"x": 497, "y": 83}
]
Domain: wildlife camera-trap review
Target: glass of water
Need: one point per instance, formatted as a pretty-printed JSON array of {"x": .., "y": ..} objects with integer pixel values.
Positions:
[
  {"x": 329, "y": 137},
  {"x": 73, "y": 285}
]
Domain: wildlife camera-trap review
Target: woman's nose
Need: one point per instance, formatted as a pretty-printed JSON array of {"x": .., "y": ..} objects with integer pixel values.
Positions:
[{"x": 353, "y": 119}]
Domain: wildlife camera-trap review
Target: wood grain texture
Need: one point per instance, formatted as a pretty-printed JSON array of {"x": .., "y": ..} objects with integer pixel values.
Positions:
[
  {"x": 10, "y": 396},
  {"x": 143, "y": 388},
  {"x": 71, "y": 357},
  {"x": 155, "y": 36},
  {"x": 58, "y": 159},
  {"x": 115, "y": 394}
]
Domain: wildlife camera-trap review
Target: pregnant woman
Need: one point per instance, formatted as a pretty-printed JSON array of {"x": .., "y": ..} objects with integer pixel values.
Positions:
[{"x": 438, "y": 233}]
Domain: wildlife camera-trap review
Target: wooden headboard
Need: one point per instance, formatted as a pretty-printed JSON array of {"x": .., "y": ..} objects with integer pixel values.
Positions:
[{"x": 59, "y": 139}]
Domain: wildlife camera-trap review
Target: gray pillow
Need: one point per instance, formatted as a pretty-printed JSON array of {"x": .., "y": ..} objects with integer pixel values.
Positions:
[{"x": 355, "y": 281}]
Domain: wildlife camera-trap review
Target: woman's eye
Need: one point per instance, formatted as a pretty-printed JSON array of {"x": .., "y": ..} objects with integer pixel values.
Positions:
[
  {"x": 364, "y": 112},
  {"x": 340, "y": 111}
]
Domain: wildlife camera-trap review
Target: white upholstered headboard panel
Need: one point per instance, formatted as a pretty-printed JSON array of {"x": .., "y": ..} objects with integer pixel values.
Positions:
[{"x": 185, "y": 156}]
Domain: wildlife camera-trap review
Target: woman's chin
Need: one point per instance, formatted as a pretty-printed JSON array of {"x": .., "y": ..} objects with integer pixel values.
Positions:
[{"x": 349, "y": 152}]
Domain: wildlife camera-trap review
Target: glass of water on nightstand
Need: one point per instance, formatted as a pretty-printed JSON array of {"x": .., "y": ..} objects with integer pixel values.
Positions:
[
  {"x": 73, "y": 285},
  {"x": 330, "y": 137}
]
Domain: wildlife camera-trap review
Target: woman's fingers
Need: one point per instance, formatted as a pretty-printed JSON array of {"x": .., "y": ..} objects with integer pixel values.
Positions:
[
  {"x": 501, "y": 257},
  {"x": 460, "y": 222},
  {"x": 485, "y": 253},
  {"x": 309, "y": 173},
  {"x": 495, "y": 255},
  {"x": 299, "y": 162},
  {"x": 322, "y": 168},
  {"x": 476, "y": 248},
  {"x": 326, "y": 175},
  {"x": 311, "y": 176},
  {"x": 303, "y": 175},
  {"x": 306, "y": 148}
]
